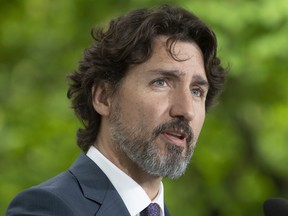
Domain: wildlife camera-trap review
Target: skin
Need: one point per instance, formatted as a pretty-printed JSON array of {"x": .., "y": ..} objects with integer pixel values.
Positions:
[{"x": 154, "y": 92}]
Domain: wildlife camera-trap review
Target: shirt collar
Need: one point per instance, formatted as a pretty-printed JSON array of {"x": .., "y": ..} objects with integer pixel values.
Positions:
[{"x": 133, "y": 195}]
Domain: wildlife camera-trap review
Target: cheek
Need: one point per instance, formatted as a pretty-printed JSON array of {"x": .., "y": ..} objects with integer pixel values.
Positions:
[
  {"x": 135, "y": 110},
  {"x": 198, "y": 123},
  {"x": 145, "y": 114},
  {"x": 142, "y": 108}
]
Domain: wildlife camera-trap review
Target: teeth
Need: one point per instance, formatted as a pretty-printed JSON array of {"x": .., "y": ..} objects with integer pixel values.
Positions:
[{"x": 180, "y": 136}]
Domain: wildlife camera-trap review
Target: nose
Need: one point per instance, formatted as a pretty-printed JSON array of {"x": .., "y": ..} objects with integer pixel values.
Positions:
[{"x": 182, "y": 105}]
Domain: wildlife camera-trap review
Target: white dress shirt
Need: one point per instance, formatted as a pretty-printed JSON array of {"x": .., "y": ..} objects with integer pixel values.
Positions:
[{"x": 133, "y": 195}]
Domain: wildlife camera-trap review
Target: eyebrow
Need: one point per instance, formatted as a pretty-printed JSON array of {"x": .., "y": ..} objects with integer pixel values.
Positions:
[
  {"x": 176, "y": 73},
  {"x": 200, "y": 81},
  {"x": 171, "y": 73}
]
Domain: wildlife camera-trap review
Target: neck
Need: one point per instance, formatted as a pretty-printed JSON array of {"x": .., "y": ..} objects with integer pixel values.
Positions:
[
  {"x": 151, "y": 186},
  {"x": 149, "y": 183}
]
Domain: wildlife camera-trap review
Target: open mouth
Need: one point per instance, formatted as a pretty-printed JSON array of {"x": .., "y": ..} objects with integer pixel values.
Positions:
[
  {"x": 179, "y": 135},
  {"x": 178, "y": 138}
]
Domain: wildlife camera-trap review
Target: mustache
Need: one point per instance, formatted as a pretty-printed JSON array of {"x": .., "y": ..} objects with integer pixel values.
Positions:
[{"x": 177, "y": 125}]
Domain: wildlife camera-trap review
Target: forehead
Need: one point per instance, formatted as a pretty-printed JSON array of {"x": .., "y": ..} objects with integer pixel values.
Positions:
[{"x": 184, "y": 57}]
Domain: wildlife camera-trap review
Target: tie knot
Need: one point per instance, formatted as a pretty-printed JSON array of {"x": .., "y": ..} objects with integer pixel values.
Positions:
[{"x": 151, "y": 210}]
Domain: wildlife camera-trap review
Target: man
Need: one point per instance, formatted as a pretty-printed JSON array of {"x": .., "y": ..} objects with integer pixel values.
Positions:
[{"x": 141, "y": 91}]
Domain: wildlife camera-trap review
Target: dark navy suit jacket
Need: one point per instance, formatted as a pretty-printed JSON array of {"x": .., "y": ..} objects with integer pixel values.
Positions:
[{"x": 83, "y": 190}]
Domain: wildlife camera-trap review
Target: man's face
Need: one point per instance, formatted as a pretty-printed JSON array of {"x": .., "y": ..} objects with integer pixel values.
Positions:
[{"x": 159, "y": 109}]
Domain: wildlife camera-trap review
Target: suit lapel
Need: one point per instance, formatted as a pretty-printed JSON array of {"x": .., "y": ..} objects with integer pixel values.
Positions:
[
  {"x": 97, "y": 187},
  {"x": 113, "y": 204}
]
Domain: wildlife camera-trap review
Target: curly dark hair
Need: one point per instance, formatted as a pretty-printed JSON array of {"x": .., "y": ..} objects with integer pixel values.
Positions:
[{"x": 127, "y": 41}]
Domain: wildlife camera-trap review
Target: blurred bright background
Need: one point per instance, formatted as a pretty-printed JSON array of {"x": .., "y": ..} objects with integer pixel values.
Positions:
[{"x": 242, "y": 154}]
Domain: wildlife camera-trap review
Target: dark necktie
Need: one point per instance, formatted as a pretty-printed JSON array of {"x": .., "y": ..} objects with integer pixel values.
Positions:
[{"x": 152, "y": 210}]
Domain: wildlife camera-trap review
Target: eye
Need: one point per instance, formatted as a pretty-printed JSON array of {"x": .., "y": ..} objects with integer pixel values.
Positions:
[
  {"x": 159, "y": 82},
  {"x": 198, "y": 92}
]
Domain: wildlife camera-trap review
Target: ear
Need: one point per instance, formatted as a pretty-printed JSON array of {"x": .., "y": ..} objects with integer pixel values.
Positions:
[{"x": 101, "y": 98}]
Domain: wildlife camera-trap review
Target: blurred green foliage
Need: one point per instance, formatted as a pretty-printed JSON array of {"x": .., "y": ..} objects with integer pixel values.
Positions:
[{"x": 242, "y": 154}]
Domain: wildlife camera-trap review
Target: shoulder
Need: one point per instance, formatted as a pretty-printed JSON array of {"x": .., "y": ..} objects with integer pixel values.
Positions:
[
  {"x": 38, "y": 201},
  {"x": 82, "y": 190},
  {"x": 60, "y": 195},
  {"x": 166, "y": 211}
]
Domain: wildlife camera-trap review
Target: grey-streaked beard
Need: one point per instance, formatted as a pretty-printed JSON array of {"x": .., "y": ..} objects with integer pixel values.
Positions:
[{"x": 139, "y": 145}]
